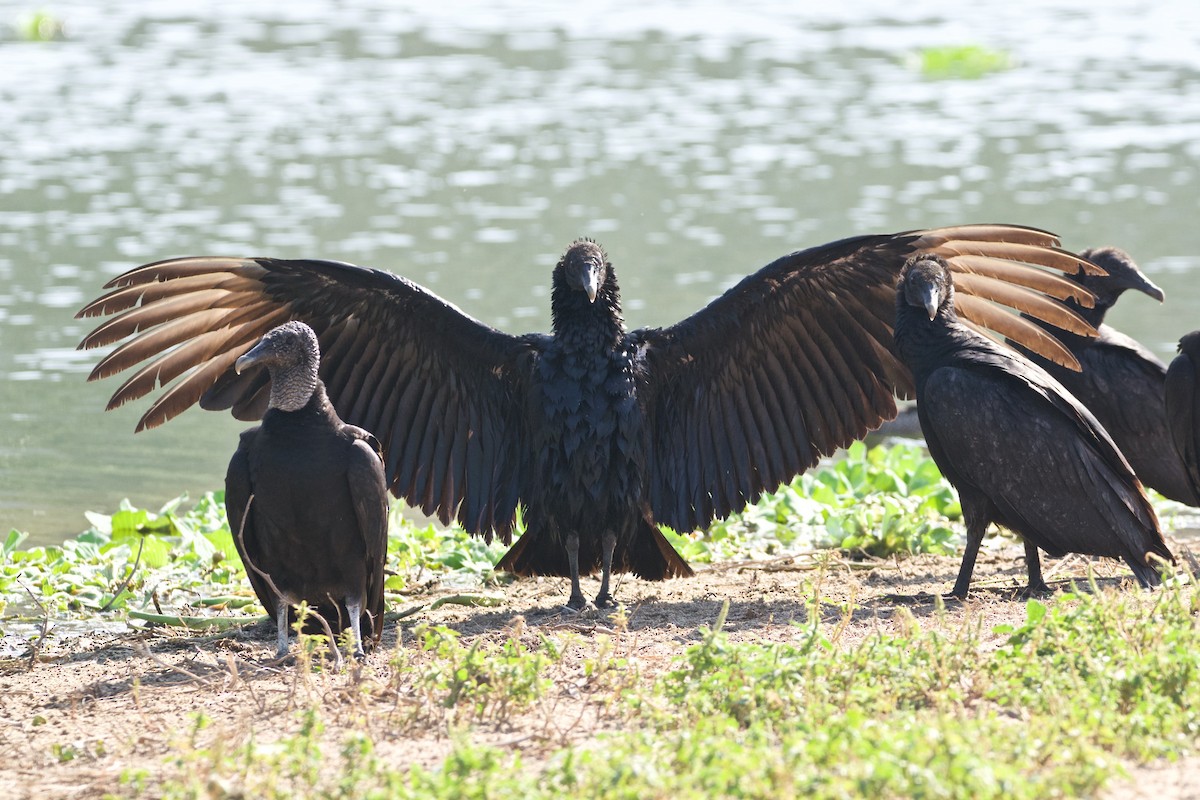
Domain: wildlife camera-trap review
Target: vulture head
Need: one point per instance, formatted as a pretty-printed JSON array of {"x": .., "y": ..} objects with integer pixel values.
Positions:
[{"x": 292, "y": 355}]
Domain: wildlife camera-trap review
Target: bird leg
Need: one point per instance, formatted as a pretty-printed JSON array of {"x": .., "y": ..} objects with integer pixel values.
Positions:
[
  {"x": 354, "y": 609},
  {"x": 975, "y": 530},
  {"x": 1033, "y": 564},
  {"x": 609, "y": 542},
  {"x": 576, "y": 603},
  {"x": 281, "y": 627}
]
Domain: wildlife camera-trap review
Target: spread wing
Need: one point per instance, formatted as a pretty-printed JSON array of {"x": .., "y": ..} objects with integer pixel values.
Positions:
[
  {"x": 797, "y": 360},
  {"x": 442, "y": 392}
]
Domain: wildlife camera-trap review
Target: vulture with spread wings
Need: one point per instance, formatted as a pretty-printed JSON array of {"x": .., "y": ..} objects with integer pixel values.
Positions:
[{"x": 599, "y": 433}]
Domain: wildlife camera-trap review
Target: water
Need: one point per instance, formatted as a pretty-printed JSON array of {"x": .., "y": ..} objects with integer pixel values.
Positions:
[{"x": 465, "y": 147}]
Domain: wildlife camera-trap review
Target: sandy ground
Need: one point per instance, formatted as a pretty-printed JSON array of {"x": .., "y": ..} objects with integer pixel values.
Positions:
[{"x": 73, "y": 720}]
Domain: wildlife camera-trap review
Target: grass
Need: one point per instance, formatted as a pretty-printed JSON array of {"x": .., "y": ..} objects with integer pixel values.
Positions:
[
  {"x": 968, "y": 62},
  {"x": 1056, "y": 706},
  {"x": 1087, "y": 686},
  {"x": 180, "y": 561}
]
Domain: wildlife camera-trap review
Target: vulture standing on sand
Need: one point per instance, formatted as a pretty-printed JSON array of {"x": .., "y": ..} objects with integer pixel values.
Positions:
[
  {"x": 1183, "y": 406},
  {"x": 1021, "y": 451},
  {"x": 1122, "y": 382},
  {"x": 306, "y": 497},
  {"x": 600, "y": 433}
]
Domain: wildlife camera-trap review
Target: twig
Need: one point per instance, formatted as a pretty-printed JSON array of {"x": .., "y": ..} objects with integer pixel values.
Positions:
[
  {"x": 196, "y": 623},
  {"x": 278, "y": 594},
  {"x": 132, "y": 570},
  {"x": 144, "y": 651},
  {"x": 467, "y": 600},
  {"x": 36, "y": 648}
]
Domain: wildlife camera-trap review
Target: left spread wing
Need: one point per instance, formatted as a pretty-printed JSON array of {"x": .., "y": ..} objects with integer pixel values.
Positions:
[
  {"x": 442, "y": 392},
  {"x": 797, "y": 360}
]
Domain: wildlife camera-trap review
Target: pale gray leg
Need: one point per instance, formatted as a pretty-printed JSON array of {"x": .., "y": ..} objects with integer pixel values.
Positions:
[
  {"x": 281, "y": 628},
  {"x": 605, "y": 599},
  {"x": 354, "y": 608}
]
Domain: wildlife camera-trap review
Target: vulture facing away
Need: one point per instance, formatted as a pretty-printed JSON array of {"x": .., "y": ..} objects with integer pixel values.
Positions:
[
  {"x": 1020, "y": 449},
  {"x": 1121, "y": 382},
  {"x": 306, "y": 497},
  {"x": 600, "y": 433},
  {"x": 1183, "y": 406}
]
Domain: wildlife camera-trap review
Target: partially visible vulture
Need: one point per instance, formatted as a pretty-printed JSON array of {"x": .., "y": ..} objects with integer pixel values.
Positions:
[
  {"x": 1021, "y": 451},
  {"x": 1122, "y": 382},
  {"x": 306, "y": 497},
  {"x": 1183, "y": 406},
  {"x": 600, "y": 433}
]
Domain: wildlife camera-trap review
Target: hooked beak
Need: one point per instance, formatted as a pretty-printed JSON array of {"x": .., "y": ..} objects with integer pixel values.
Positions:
[
  {"x": 249, "y": 359},
  {"x": 1147, "y": 286},
  {"x": 930, "y": 299},
  {"x": 592, "y": 284}
]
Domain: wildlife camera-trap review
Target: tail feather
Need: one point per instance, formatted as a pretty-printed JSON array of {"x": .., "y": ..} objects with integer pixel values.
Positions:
[
  {"x": 649, "y": 555},
  {"x": 1146, "y": 574}
]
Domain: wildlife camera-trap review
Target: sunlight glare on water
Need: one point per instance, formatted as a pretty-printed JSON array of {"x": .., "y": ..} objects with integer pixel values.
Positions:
[{"x": 465, "y": 145}]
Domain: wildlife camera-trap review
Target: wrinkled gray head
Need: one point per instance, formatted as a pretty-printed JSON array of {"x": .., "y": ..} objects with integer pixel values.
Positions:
[
  {"x": 584, "y": 267},
  {"x": 925, "y": 283},
  {"x": 1123, "y": 274},
  {"x": 292, "y": 355}
]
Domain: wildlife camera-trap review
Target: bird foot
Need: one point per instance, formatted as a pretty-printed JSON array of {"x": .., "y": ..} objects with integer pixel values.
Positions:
[
  {"x": 605, "y": 600},
  {"x": 1039, "y": 589},
  {"x": 282, "y": 658},
  {"x": 577, "y": 604},
  {"x": 954, "y": 596}
]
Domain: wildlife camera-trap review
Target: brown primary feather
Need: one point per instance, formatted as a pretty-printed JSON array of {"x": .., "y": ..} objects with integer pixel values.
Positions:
[
  {"x": 239, "y": 279},
  {"x": 188, "y": 391},
  {"x": 1061, "y": 288},
  {"x": 176, "y": 268},
  {"x": 1032, "y": 303},
  {"x": 143, "y": 317},
  {"x": 170, "y": 333},
  {"x": 1046, "y": 256},
  {"x": 985, "y": 315}
]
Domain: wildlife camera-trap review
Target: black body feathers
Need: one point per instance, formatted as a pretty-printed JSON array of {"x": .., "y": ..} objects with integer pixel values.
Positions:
[
  {"x": 600, "y": 433},
  {"x": 306, "y": 499},
  {"x": 1021, "y": 451}
]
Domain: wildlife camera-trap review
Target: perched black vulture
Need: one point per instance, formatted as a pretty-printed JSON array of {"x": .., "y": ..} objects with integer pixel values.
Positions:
[
  {"x": 600, "y": 433},
  {"x": 1021, "y": 451},
  {"x": 1120, "y": 381},
  {"x": 306, "y": 497},
  {"x": 1183, "y": 406}
]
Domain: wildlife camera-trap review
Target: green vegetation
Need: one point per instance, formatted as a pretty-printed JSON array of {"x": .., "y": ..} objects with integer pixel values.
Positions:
[
  {"x": 1088, "y": 685},
  {"x": 39, "y": 26},
  {"x": 1053, "y": 707},
  {"x": 182, "y": 561},
  {"x": 873, "y": 502},
  {"x": 961, "y": 61}
]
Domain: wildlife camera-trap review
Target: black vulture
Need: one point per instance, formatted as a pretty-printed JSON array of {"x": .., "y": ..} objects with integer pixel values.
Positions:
[
  {"x": 1120, "y": 381},
  {"x": 600, "y": 433},
  {"x": 1183, "y": 406},
  {"x": 1021, "y": 451},
  {"x": 306, "y": 496}
]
